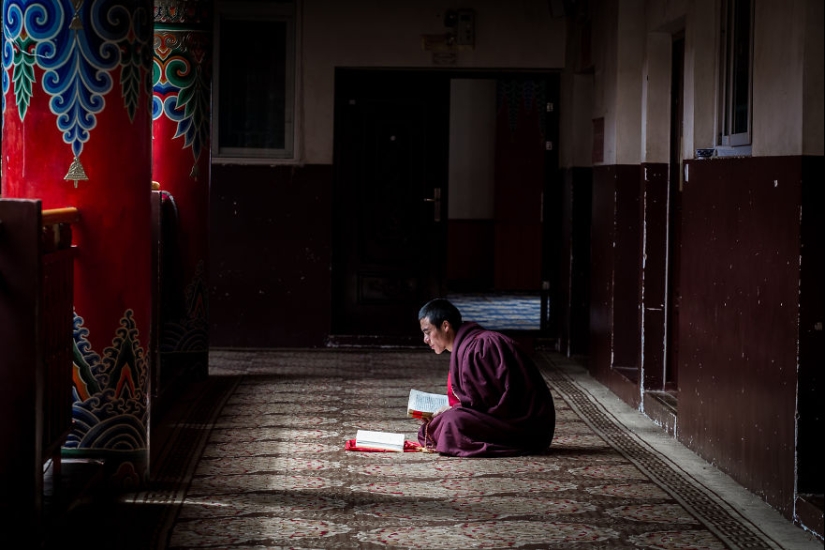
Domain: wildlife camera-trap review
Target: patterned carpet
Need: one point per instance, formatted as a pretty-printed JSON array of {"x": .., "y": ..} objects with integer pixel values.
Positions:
[
  {"x": 258, "y": 461},
  {"x": 500, "y": 311}
]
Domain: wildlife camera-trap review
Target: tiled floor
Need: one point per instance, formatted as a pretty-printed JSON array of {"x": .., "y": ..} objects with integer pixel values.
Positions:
[{"x": 500, "y": 311}]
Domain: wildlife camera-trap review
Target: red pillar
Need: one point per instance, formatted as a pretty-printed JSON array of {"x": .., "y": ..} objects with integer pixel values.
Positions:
[
  {"x": 77, "y": 132},
  {"x": 181, "y": 167}
]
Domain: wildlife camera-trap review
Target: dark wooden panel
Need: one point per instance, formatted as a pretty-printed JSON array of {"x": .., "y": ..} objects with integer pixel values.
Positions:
[
  {"x": 812, "y": 336},
  {"x": 655, "y": 197},
  {"x": 627, "y": 271},
  {"x": 601, "y": 269},
  {"x": 270, "y": 249},
  {"x": 580, "y": 204},
  {"x": 615, "y": 275},
  {"x": 21, "y": 474},
  {"x": 565, "y": 260},
  {"x": 56, "y": 323},
  {"x": 739, "y": 319}
]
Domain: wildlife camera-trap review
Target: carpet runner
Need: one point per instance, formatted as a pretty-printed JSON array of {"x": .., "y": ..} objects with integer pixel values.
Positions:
[{"x": 259, "y": 462}]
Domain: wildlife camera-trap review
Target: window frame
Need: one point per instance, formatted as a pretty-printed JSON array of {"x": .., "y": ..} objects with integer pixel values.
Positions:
[
  {"x": 728, "y": 139},
  {"x": 276, "y": 11}
]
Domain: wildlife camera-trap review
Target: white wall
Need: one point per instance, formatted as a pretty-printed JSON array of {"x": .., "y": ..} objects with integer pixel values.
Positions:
[
  {"x": 579, "y": 137},
  {"x": 701, "y": 72},
  {"x": 361, "y": 33},
  {"x": 788, "y": 68},
  {"x": 813, "y": 136},
  {"x": 618, "y": 56},
  {"x": 777, "y": 78},
  {"x": 604, "y": 37},
  {"x": 632, "y": 74},
  {"x": 656, "y": 93},
  {"x": 472, "y": 149}
]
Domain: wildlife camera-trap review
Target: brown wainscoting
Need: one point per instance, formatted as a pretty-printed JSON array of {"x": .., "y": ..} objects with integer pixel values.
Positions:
[
  {"x": 270, "y": 256},
  {"x": 574, "y": 264},
  {"x": 739, "y": 319},
  {"x": 627, "y": 269},
  {"x": 615, "y": 277},
  {"x": 811, "y": 476},
  {"x": 601, "y": 270},
  {"x": 809, "y": 513},
  {"x": 654, "y": 274},
  {"x": 662, "y": 408}
]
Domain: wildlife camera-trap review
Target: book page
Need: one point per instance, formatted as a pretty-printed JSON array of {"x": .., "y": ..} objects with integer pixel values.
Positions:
[
  {"x": 380, "y": 440},
  {"x": 424, "y": 403}
]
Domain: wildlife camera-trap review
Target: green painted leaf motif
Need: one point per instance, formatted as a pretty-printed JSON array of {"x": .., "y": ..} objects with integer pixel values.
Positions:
[
  {"x": 23, "y": 75},
  {"x": 200, "y": 111},
  {"x": 156, "y": 72},
  {"x": 193, "y": 98},
  {"x": 130, "y": 82},
  {"x": 185, "y": 95},
  {"x": 197, "y": 111},
  {"x": 130, "y": 76},
  {"x": 178, "y": 73}
]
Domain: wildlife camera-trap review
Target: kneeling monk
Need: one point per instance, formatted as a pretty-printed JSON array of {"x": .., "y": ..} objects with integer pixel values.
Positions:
[{"x": 499, "y": 402}]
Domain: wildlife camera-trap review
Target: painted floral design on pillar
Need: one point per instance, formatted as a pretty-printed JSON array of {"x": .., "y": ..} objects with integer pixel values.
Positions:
[
  {"x": 181, "y": 81},
  {"x": 77, "y": 132}
]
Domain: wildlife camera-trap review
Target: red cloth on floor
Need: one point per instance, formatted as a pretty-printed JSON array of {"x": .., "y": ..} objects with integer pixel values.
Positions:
[{"x": 409, "y": 446}]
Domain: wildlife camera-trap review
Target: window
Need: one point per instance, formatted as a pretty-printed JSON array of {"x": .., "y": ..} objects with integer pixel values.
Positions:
[
  {"x": 254, "y": 81},
  {"x": 736, "y": 75}
]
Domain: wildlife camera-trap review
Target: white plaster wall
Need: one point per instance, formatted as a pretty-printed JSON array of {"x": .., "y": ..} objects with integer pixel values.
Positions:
[
  {"x": 575, "y": 114},
  {"x": 472, "y": 149},
  {"x": 360, "y": 33},
  {"x": 787, "y": 77},
  {"x": 701, "y": 72},
  {"x": 575, "y": 106},
  {"x": 777, "y": 77},
  {"x": 656, "y": 94},
  {"x": 661, "y": 14},
  {"x": 663, "y": 21},
  {"x": 581, "y": 135},
  {"x": 813, "y": 133},
  {"x": 630, "y": 58},
  {"x": 619, "y": 47},
  {"x": 604, "y": 54}
]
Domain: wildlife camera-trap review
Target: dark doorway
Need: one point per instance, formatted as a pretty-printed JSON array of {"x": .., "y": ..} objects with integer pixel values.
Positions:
[
  {"x": 505, "y": 199},
  {"x": 674, "y": 213},
  {"x": 391, "y": 130},
  {"x": 398, "y": 241}
]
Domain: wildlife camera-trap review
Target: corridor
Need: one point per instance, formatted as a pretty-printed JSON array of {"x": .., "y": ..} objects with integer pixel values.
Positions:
[{"x": 254, "y": 457}]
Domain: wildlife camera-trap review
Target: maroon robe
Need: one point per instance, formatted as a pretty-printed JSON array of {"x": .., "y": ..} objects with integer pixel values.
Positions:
[{"x": 505, "y": 407}]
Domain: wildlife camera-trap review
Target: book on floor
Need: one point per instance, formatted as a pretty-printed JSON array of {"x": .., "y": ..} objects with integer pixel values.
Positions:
[
  {"x": 384, "y": 441},
  {"x": 423, "y": 404}
]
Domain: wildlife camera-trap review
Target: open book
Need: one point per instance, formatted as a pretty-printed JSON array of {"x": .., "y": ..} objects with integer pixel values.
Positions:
[
  {"x": 423, "y": 404},
  {"x": 384, "y": 441}
]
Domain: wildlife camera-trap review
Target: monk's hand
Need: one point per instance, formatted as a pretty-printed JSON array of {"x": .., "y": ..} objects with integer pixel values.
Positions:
[{"x": 441, "y": 410}]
